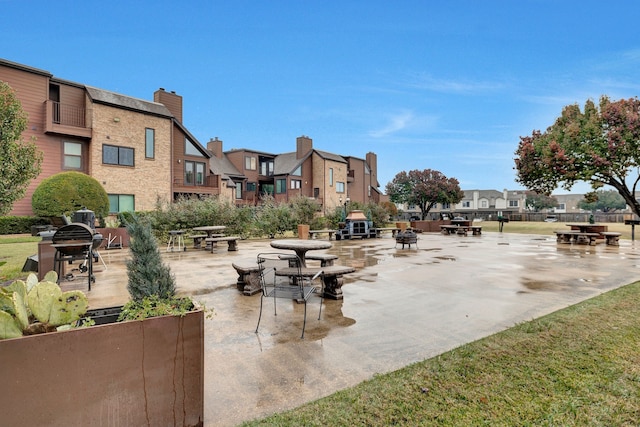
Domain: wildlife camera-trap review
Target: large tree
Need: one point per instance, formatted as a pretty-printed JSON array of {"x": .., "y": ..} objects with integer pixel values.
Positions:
[
  {"x": 599, "y": 145},
  {"x": 602, "y": 200},
  {"x": 424, "y": 189},
  {"x": 20, "y": 161},
  {"x": 536, "y": 201}
]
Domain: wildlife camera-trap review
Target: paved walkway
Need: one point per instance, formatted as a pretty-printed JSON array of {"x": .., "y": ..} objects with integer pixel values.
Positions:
[{"x": 401, "y": 306}]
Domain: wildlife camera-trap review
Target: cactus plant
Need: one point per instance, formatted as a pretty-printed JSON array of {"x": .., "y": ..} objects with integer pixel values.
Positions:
[{"x": 33, "y": 307}]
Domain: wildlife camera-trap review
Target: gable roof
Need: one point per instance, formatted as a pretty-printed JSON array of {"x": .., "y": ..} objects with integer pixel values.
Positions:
[
  {"x": 105, "y": 97},
  {"x": 286, "y": 163},
  {"x": 226, "y": 169}
]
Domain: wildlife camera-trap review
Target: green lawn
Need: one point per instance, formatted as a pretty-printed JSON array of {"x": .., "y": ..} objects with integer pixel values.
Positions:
[{"x": 14, "y": 251}]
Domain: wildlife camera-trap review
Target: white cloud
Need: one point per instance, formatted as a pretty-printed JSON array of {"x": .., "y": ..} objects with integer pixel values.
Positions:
[{"x": 403, "y": 121}]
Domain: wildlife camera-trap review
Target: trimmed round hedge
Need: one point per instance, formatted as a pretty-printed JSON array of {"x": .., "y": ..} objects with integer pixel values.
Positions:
[{"x": 66, "y": 192}]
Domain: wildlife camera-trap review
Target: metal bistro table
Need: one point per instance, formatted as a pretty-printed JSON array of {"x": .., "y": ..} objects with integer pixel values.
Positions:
[{"x": 301, "y": 247}]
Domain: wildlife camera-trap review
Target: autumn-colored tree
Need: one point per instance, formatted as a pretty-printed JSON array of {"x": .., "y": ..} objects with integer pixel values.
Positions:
[
  {"x": 424, "y": 189},
  {"x": 20, "y": 161},
  {"x": 536, "y": 201},
  {"x": 599, "y": 145}
]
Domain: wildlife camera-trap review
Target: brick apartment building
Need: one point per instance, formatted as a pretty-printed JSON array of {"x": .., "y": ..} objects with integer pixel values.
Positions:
[{"x": 141, "y": 152}]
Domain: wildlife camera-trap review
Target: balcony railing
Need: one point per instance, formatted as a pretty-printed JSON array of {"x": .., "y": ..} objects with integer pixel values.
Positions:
[
  {"x": 66, "y": 119},
  {"x": 67, "y": 115},
  {"x": 210, "y": 181}
]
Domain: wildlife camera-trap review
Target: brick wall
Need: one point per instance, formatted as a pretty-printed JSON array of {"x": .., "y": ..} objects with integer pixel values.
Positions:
[{"x": 150, "y": 178}]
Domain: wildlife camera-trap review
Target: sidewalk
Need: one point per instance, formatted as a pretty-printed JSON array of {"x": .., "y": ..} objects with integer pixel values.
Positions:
[{"x": 401, "y": 306}]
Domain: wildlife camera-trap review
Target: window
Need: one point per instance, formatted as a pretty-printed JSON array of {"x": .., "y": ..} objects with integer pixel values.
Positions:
[
  {"x": 295, "y": 184},
  {"x": 466, "y": 204},
  {"x": 190, "y": 148},
  {"x": 193, "y": 173},
  {"x": 121, "y": 203},
  {"x": 114, "y": 155},
  {"x": 149, "y": 143},
  {"x": 250, "y": 163},
  {"x": 485, "y": 204},
  {"x": 266, "y": 167},
  {"x": 513, "y": 203},
  {"x": 298, "y": 171},
  {"x": 446, "y": 206},
  {"x": 72, "y": 155},
  {"x": 251, "y": 186},
  {"x": 238, "y": 190},
  {"x": 281, "y": 186},
  {"x": 561, "y": 206},
  {"x": 339, "y": 187},
  {"x": 330, "y": 177}
]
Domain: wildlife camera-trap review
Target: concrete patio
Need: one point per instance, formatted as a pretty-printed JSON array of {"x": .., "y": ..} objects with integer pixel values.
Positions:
[{"x": 399, "y": 307}]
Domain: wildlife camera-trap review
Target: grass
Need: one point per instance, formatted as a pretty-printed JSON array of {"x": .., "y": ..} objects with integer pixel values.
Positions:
[
  {"x": 579, "y": 366},
  {"x": 14, "y": 250}
]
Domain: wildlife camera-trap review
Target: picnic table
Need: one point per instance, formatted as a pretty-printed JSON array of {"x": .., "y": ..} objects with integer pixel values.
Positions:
[{"x": 210, "y": 231}]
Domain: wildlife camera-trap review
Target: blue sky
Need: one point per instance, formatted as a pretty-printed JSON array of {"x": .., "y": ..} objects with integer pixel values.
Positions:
[{"x": 446, "y": 85}]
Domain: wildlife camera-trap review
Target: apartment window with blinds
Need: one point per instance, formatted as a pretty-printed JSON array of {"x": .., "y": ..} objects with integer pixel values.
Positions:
[
  {"x": 72, "y": 158},
  {"x": 115, "y": 155}
]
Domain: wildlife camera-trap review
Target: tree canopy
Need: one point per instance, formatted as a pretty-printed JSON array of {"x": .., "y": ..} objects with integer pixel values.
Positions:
[
  {"x": 20, "y": 161},
  {"x": 536, "y": 201},
  {"x": 599, "y": 145},
  {"x": 424, "y": 189},
  {"x": 602, "y": 200}
]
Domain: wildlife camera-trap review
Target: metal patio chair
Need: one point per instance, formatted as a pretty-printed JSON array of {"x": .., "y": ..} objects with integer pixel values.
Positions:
[{"x": 281, "y": 276}]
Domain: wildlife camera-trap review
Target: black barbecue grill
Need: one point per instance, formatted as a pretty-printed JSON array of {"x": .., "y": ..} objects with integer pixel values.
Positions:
[{"x": 75, "y": 242}]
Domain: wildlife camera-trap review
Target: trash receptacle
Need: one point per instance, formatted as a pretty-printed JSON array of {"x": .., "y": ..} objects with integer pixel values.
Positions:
[{"x": 46, "y": 253}]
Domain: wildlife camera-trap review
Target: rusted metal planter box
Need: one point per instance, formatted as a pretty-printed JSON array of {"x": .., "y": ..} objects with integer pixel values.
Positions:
[{"x": 147, "y": 372}]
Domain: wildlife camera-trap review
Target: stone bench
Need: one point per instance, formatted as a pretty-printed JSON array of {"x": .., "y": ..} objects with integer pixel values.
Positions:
[
  {"x": 248, "y": 277},
  {"x": 332, "y": 277},
  {"x": 312, "y": 233},
  {"x": 612, "y": 238},
  {"x": 462, "y": 230},
  {"x": 325, "y": 259},
  {"x": 197, "y": 240},
  {"x": 232, "y": 241},
  {"x": 381, "y": 230},
  {"x": 577, "y": 237}
]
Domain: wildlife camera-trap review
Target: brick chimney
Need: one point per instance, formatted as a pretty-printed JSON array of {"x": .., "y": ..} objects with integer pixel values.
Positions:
[
  {"x": 171, "y": 100},
  {"x": 372, "y": 161},
  {"x": 215, "y": 146},
  {"x": 304, "y": 144}
]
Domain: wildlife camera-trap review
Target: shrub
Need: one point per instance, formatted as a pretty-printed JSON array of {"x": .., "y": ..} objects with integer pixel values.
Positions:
[
  {"x": 66, "y": 192},
  {"x": 19, "y": 224},
  {"x": 147, "y": 274},
  {"x": 304, "y": 209}
]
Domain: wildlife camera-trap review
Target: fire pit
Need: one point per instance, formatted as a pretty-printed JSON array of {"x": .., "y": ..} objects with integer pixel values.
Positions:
[{"x": 356, "y": 225}]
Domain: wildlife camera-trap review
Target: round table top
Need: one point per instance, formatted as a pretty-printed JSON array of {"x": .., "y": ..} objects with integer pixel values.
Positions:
[
  {"x": 210, "y": 228},
  {"x": 300, "y": 244}
]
